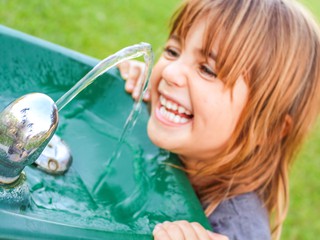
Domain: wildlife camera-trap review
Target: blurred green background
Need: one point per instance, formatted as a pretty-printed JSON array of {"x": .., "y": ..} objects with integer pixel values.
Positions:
[{"x": 101, "y": 27}]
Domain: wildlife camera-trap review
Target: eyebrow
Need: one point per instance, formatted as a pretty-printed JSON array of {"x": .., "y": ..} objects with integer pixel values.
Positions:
[
  {"x": 212, "y": 54},
  {"x": 175, "y": 37}
]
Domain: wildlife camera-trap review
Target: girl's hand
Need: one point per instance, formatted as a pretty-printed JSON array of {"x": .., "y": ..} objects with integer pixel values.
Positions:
[
  {"x": 132, "y": 71},
  {"x": 183, "y": 230}
]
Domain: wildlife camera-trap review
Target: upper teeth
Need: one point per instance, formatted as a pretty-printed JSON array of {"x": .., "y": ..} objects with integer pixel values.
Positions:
[{"x": 171, "y": 105}]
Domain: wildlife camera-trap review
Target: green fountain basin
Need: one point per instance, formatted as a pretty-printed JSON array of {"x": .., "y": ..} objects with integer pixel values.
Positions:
[{"x": 124, "y": 201}]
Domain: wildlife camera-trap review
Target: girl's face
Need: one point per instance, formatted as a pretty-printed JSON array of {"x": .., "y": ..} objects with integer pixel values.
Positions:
[{"x": 193, "y": 114}]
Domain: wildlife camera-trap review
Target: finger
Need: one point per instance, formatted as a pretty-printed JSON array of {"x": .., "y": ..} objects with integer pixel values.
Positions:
[
  {"x": 138, "y": 88},
  {"x": 200, "y": 231},
  {"x": 129, "y": 85},
  {"x": 147, "y": 96},
  {"x": 215, "y": 236},
  {"x": 132, "y": 79},
  {"x": 174, "y": 230},
  {"x": 187, "y": 229},
  {"x": 159, "y": 233},
  {"x": 124, "y": 69}
]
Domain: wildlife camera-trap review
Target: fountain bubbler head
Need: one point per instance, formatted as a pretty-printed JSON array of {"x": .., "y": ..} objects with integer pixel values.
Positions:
[{"x": 26, "y": 126}]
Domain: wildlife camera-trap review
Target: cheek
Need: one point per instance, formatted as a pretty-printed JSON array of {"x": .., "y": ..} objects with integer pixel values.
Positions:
[{"x": 156, "y": 72}]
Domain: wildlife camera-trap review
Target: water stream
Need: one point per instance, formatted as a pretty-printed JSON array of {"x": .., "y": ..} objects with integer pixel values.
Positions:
[{"x": 103, "y": 66}]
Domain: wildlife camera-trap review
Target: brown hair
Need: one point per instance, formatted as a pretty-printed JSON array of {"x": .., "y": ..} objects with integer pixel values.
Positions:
[{"x": 275, "y": 44}]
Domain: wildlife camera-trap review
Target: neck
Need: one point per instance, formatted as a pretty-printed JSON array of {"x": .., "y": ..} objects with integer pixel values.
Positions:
[{"x": 193, "y": 167}]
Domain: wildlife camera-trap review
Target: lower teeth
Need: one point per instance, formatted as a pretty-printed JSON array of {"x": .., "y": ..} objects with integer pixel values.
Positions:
[{"x": 171, "y": 116}]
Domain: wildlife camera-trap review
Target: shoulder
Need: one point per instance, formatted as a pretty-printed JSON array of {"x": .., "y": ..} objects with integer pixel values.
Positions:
[{"x": 241, "y": 217}]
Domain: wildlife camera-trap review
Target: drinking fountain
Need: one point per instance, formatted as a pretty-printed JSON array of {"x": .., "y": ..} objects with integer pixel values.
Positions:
[{"x": 113, "y": 189}]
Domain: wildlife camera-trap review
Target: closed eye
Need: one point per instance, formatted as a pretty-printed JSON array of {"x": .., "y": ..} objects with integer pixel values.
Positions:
[
  {"x": 207, "y": 71},
  {"x": 171, "y": 52}
]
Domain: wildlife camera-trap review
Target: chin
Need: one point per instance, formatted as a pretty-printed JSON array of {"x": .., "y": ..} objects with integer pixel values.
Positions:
[
  {"x": 154, "y": 137},
  {"x": 157, "y": 138}
]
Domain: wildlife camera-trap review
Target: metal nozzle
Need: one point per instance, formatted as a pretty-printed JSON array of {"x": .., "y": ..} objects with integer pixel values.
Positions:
[
  {"x": 56, "y": 157},
  {"x": 26, "y": 126}
]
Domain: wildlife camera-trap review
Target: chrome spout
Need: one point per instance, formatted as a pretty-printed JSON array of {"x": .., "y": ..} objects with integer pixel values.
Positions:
[
  {"x": 56, "y": 157},
  {"x": 26, "y": 126}
]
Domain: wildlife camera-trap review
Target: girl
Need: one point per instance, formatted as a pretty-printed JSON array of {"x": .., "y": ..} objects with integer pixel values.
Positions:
[{"x": 234, "y": 94}]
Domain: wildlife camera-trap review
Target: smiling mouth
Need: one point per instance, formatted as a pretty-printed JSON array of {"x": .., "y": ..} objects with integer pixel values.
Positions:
[{"x": 173, "y": 112}]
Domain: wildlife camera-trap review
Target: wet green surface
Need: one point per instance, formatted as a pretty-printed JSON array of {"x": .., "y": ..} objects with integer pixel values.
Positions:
[{"x": 94, "y": 199}]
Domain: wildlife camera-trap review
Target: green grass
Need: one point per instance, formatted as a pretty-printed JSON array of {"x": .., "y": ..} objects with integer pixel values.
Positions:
[
  {"x": 97, "y": 28},
  {"x": 101, "y": 27}
]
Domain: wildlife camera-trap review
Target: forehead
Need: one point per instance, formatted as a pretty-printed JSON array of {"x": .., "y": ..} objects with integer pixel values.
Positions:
[{"x": 196, "y": 36}]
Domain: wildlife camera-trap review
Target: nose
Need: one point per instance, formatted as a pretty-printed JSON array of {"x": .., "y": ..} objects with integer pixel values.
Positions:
[{"x": 175, "y": 73}]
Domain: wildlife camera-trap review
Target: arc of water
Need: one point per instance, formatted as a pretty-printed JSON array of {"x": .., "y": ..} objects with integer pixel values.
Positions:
[{"x": 126, "y": 53}]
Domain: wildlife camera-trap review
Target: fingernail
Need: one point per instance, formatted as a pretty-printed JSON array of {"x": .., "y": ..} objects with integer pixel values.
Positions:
[
  {"x": 135, "y": 95},
  {"x": 129, "y": 86},
  {"x": 211, "y": 234},
  {"x": 146, "y": 96},
  {"x": 157, "y": 228}
]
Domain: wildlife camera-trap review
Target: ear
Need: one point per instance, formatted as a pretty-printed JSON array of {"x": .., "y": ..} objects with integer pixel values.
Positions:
[{"x": 287, "y": 125}]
